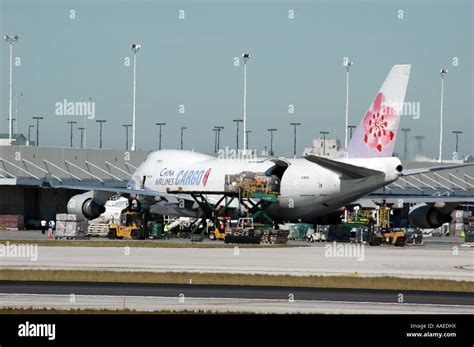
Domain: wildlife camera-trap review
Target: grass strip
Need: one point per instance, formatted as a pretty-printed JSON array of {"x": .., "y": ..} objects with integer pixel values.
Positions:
[{"x": 343, "y": 281}]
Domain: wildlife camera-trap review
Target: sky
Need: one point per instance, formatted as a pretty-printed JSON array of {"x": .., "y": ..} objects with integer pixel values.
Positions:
[{"x": 70, "y": 50}]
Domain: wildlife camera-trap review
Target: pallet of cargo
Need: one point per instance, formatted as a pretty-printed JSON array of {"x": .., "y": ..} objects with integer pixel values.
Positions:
[
  {"x": 69, "y": 226},
  {"x": 98, "y": 229}
]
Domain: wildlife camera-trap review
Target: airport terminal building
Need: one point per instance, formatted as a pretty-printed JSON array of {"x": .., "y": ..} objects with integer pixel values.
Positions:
[{"x": 24, "y": 169}]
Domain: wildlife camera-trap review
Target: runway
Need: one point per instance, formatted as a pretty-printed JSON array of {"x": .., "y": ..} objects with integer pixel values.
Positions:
[
  {"x": 408, "y": 262},
  {"x": 150, "y": 297}
]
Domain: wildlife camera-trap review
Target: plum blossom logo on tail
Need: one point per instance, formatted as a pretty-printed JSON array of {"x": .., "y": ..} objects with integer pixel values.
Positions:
[
  {"x": 206, "y": 177},
  {"x": 379, "y": 124}
]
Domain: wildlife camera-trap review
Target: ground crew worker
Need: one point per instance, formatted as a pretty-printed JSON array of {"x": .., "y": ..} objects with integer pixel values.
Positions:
[{"x": 44, "y": 226}]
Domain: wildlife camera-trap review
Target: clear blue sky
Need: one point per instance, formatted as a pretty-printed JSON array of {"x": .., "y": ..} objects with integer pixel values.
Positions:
[{"x": 190, "y": 62}]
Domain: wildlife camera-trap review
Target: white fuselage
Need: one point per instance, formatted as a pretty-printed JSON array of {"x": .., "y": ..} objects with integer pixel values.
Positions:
[{"x": 307, "y": 190}]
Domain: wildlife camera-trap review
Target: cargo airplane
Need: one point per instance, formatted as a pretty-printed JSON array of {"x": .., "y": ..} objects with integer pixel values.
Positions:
[{"x": 307, "y": 188}]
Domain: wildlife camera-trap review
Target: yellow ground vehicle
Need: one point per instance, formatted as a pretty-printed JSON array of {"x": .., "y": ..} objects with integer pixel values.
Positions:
[
  {"x": 129, "y": 227},
  {"x": 219, "y": 231},
  {"x": 392, "y": 237}
]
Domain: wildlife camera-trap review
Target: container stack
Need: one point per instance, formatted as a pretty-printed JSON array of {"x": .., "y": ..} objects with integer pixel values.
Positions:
[
  {"x": 459, "y": 223},
  {"x": 299, "y": 231},
  {"x": 69, "y": 226},
  {"x": 272, "y": 236},
  {"x": 469, "y": 236},
  {"x": 12, "y": 222}
]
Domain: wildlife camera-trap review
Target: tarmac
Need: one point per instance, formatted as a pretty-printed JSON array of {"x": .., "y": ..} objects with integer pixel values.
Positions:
[
  {"x": 449, "y": 262},
  {"x": 221, "y": 305}
]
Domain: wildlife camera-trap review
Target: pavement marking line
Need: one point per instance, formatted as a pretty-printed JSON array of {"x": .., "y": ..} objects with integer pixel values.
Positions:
[{"x": 242, "y": 300}]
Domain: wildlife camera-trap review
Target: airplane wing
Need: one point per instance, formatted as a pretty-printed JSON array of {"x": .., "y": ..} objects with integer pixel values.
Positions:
[
  {"x": 409, "y": 172},
  {"x": 168, "y": 197},
  {"x": 415, "y": 199},
  {"x": 347, "y": 171}
]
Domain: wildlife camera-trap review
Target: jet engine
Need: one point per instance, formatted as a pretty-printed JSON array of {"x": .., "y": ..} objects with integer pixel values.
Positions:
[
  {"x": 427, "y": 216},
  {"x": 86, "y": 205}
]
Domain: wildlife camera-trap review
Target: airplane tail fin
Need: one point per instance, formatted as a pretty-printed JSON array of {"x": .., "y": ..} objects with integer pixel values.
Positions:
[{"x": 375, "y": 136}]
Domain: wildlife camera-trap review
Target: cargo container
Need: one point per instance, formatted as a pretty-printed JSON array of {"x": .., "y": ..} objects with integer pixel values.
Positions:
[{"x": 12, "y": 222}]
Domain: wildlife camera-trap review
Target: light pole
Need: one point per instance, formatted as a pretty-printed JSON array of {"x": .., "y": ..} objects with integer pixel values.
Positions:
[
  {"x": 271, "y": 139},
  {"x": 160, "y": 125},
  {"x": 351, "y": 127},
  {"x": 245, "y": 58},
  {"x": 126, "y": 126},
  {"x": 405, "y": 148},
  {"x": 29, "y": 133},
  {"x": 347, "y": 63},
  {"x": 85, "y": 123},
  {"x": 237, "y": 121},
  {"x": 324, "y": 133},
  {"x": 16, "y": 111},
  {"x": 10, "y": 39},
  {"x": 72, "y": 124},
  {"x": 215, "y": 139},
  {"x": 247, "y": 140},
  {"x": 442, "y": 72},
  {"x": 37, "y": 129},
  {"x": 457, "y": 132},
  {"x": 135, "y": 48},
  {"x": 419, "y": 138},
  {"x": 182, "y": 130},
  {"x": 100, "y": 121},
  {"x": 219, "y": 128},
  {"x": 13, "y": 123},
  {"x": 294, "y": 137},
  {"x": 81, "y": 129}
]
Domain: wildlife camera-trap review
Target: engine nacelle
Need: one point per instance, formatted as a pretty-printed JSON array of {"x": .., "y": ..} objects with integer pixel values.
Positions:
[
  {"x": 85, "y": 206},
  {"x": 427, "y": 217}
]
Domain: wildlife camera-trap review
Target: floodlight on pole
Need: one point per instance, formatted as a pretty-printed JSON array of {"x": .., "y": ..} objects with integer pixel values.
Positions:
[
  {"x": 245, "y": 58},
  {"x": 72, "y": 124},
  {"x": 247, "y": 139},
  {"x": 100, "y": 121},
  {"x": 219, "y": 128},
  {"x": 10, "y": 39},
  {"x": 126, "y": 126},
  {"x": 237, "y": 121},
  {"x": 347, "y": 64},
  {"x": 135, "y": 48},
  {"x": 29, "y": 133},
  {"x": 457, "y": 133},
  {"x": 182, "y": 131},
  {"x": 81, "y": 129},
  {"x": 324, "y": 133},
  {"x": 405, "y": 147},
  {"x": 351, "y": 128},
  {"x": 85, "y": 123},
  {"x": 37, "y": 129},
  {"x": 215, "y": 139},
  {"x": 159, "y": 140},
  {"x": 294, "y": 137},
  {"x": 442, "y": 72},
  {"x": 13, "y": 123},
  {"x": 271, "y": 139}
]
